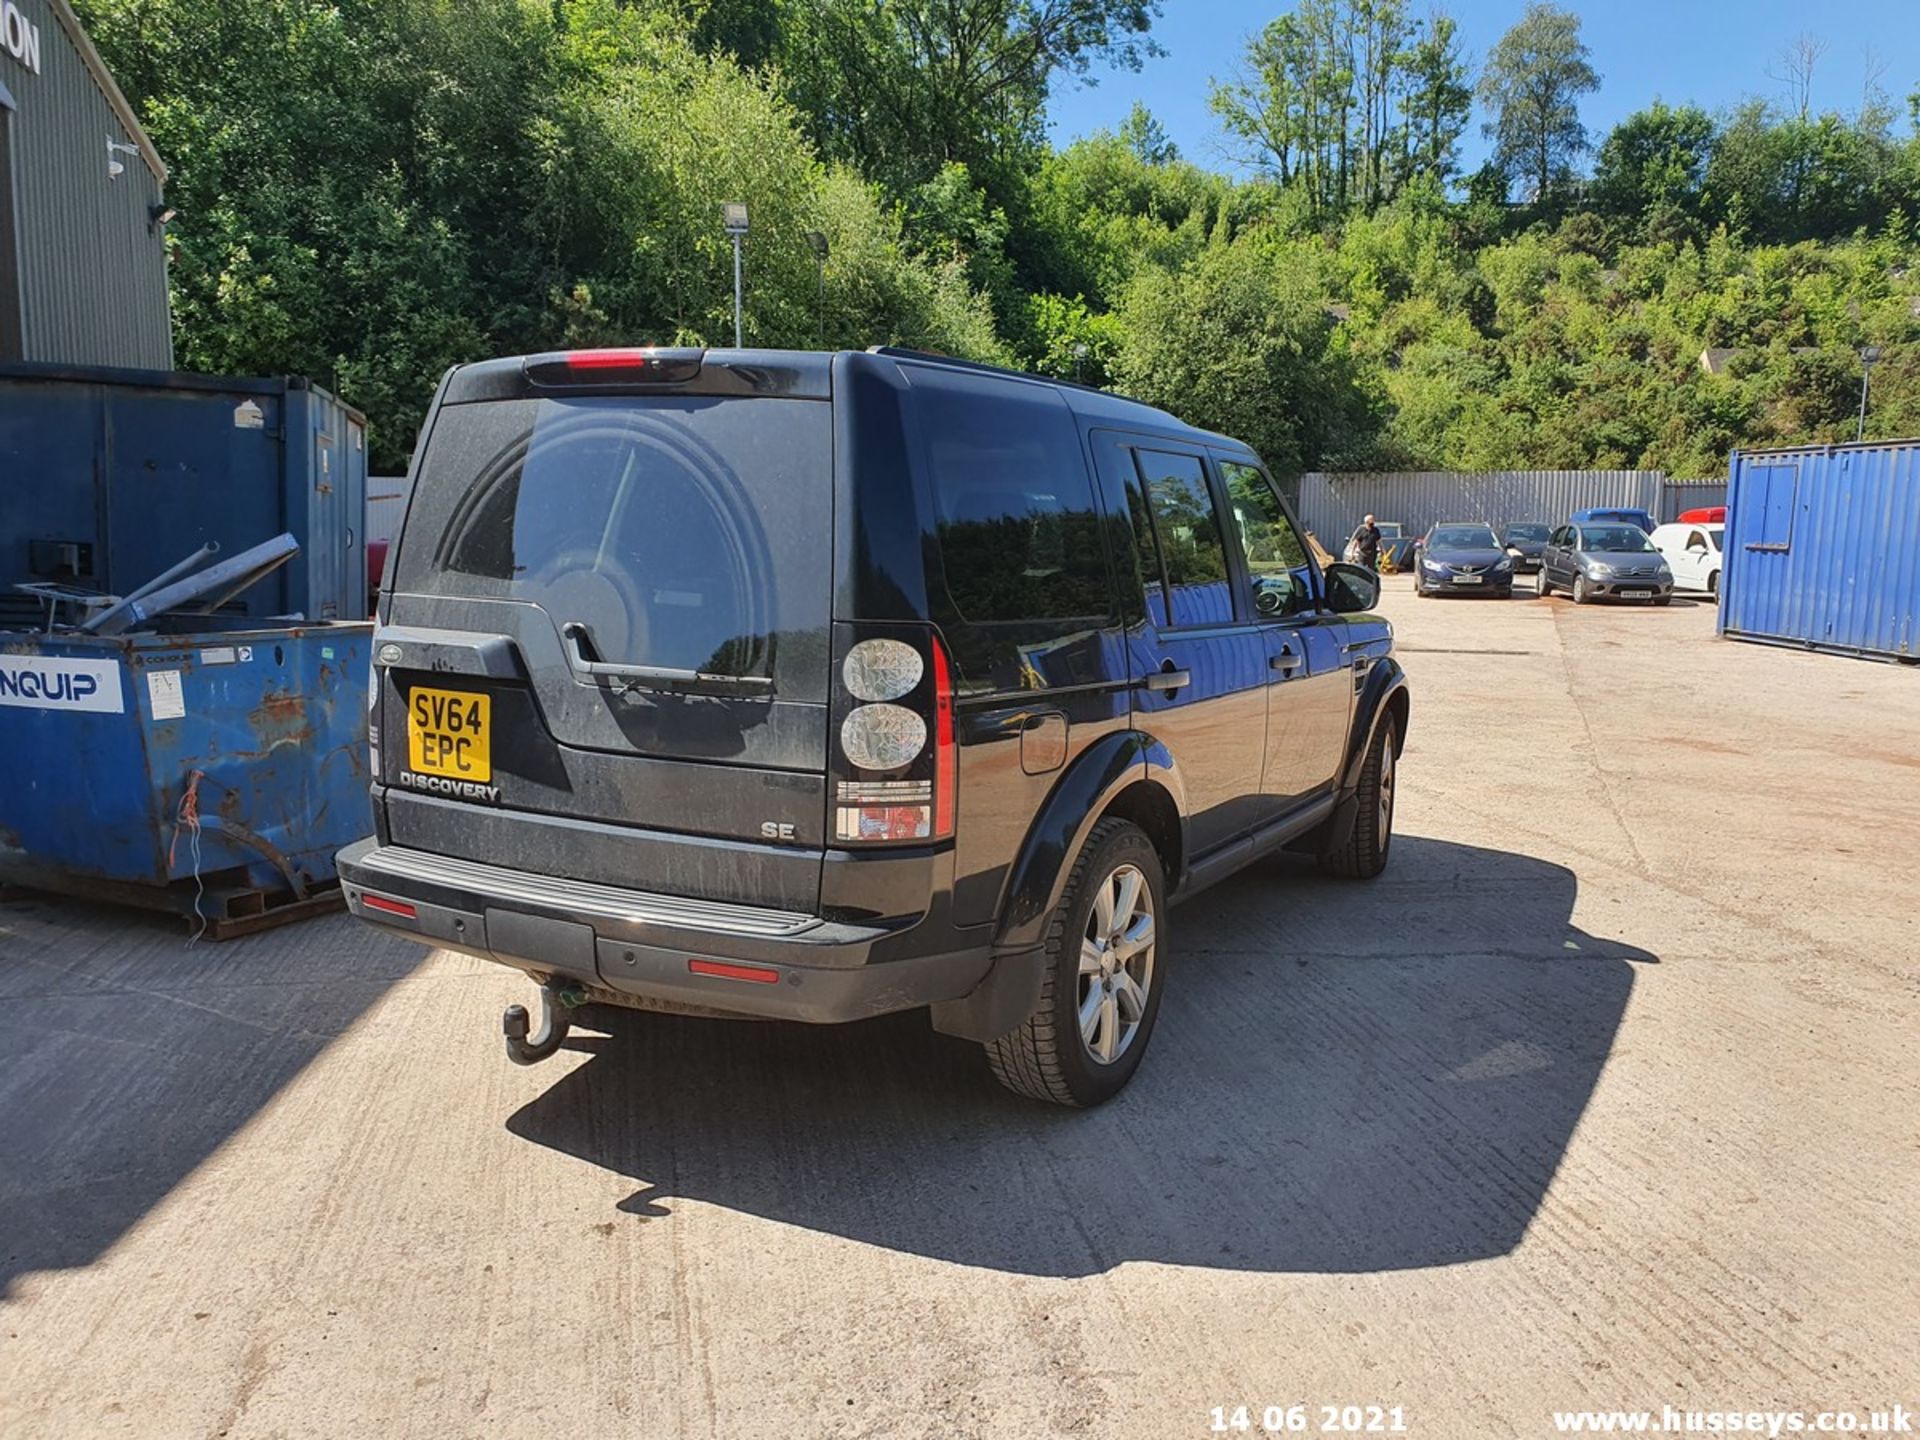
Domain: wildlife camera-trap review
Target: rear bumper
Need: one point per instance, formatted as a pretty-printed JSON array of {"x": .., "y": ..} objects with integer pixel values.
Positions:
[{"x": 635, "y": 943}]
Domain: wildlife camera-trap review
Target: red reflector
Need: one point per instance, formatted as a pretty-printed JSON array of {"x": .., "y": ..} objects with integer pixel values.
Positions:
[
  {"x": 760, "y": 974},
  {"x": 391, "y": 907},
  {"x": 943, "y": 748}
]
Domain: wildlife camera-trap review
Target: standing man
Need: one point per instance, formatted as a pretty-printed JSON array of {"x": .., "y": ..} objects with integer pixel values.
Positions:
[{"x": 1367, "y": 540}]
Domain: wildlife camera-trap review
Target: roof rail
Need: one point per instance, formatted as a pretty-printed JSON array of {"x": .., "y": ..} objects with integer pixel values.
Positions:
[{"x": 907, "y": 352}]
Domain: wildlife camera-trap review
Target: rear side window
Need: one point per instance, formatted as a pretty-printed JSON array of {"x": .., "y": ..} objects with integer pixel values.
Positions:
[
  {"x": 1180, "y": 540},
  {"x": 1019, "y": 536},
  {"x": 682, "y": 532}
]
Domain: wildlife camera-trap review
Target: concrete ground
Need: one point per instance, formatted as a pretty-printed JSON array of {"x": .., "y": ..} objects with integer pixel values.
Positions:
[{"x": 1604, "y": 1095}]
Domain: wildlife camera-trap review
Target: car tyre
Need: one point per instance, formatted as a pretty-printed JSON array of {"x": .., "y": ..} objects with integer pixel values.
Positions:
[
  {"x": 1542, "y": 586},
  {"x": 1506, "y": 594},
  {"x": 1364, "y": 855},
  {"x": 1663, "y": 599},
  {"x": 1713, "y": 584},
  {"x": 1053, "y": 1055},
  {"x": 1580, "y": 595}
]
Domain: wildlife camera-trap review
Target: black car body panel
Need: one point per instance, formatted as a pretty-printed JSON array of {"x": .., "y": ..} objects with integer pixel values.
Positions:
[
  {"x": 1524, "y": 540},
  {"x": 1113, "y": 613}
]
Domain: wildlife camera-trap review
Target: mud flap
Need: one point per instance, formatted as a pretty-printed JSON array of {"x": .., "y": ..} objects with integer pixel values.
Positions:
[{"x": 1000, "y": 1003}]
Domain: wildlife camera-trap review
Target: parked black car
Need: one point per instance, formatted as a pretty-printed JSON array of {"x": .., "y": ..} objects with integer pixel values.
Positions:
[
  {"x": 1462, "y": 557},
  {"x": 1523, "y": 541},
  {"x": 817, "y": 686},
  {"x": 1613, "y": 560}
]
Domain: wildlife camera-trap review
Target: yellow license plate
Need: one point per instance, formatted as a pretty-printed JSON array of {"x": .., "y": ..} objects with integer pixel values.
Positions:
[{"x": 450, "y": 732}]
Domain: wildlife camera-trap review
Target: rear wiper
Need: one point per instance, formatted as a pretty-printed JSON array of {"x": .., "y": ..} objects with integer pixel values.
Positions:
[{"x": 580, "y": 651}]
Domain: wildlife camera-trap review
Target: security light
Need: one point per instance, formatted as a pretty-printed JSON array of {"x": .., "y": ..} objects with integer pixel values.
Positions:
[
  {"x": 733, "y": 216},
  {"x": 115, "y": 149}
]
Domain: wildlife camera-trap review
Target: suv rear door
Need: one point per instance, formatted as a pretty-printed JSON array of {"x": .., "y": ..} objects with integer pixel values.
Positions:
[
  {"x": 611, "y": 607},
  {"x": 1200, "y": 661}
]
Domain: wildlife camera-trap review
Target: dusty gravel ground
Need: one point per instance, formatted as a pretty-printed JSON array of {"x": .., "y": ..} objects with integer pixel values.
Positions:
[{"x": 1605, "y": 1095}]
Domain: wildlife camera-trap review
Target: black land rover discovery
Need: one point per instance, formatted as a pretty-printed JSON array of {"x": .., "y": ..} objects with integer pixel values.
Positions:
[{"x": 816, "y": 686}]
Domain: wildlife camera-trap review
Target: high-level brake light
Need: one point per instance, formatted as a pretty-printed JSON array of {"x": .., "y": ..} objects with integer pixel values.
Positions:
[{"x": 643, "y": 366}]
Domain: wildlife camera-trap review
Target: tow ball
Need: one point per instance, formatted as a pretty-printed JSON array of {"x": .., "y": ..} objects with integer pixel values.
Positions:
[{"x": 555, "y": 1002}]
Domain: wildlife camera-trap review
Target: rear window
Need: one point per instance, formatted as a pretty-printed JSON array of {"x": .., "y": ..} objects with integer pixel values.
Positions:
[{"x": 681, "y": 531}]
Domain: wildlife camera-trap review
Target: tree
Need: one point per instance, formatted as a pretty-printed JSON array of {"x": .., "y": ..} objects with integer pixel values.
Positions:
[
  {"x": 1439, "y": 100},
  {"x": 1533, "y": 84},
  {"x": 1147, "y": 138},
  {"x": 1657, "y": 157},
  {"x": 903, "y": 88},
  {"x": 1349, "y": 101},
  {"x": 1793, "y": 70},
  {"x": 1238, "y": 341}
]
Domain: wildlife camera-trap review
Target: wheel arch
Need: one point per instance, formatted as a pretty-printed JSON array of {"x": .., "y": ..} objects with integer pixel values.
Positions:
[{"x": 1129, "y": 774}]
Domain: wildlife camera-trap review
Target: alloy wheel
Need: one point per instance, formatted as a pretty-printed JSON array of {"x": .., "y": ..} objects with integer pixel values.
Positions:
[
  {"x": 1116, "y": 964},
  {"x": 1386, "y": 788}
]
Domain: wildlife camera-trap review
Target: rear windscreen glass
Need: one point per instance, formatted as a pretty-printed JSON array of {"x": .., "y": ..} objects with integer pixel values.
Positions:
[{"x": 690, "y": 533}]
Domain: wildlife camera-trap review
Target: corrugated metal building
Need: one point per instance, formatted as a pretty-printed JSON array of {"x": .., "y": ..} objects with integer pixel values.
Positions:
[
  {"x": 1822, "y": 549},
  {"x": 83, "y": 261},
  {"x": 1331, "y": 505}
]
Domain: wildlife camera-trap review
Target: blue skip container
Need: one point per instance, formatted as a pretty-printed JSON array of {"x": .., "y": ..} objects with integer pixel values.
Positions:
[{"x": 209, "y": 765}]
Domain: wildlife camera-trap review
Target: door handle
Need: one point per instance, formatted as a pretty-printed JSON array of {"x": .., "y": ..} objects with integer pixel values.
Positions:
[
  {"x": 1286, "y": 662},
  {"x": 1166, "y": 680}
]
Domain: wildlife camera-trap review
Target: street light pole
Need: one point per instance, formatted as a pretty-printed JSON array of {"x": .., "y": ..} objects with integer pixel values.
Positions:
[
  {"x": 733, "y": 216},
  {"x": 818, "y": 243},
  {"x": 1868, "y": 355}
]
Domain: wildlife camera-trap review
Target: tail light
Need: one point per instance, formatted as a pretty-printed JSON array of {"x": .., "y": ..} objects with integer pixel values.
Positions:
[{"x": 895, "y": 765}]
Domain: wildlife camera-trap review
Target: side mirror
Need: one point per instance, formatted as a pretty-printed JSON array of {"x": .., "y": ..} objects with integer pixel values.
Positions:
[{"x": 1351, "y": 588}]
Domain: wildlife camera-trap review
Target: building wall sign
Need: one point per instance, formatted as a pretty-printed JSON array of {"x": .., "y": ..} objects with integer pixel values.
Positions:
[{"x": 19, "y": 36}]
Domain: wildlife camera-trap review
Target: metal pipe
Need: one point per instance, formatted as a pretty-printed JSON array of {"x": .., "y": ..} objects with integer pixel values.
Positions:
[
  {"x": 93, "y": 623},
  {"x": 738, "y": 342}
]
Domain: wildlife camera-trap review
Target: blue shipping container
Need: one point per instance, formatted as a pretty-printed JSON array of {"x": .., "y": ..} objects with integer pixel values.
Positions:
[
  {"x": 1822, "y": 549},
  {"x": 122, "y": 741},
  {"x": 113, "y": 475}
]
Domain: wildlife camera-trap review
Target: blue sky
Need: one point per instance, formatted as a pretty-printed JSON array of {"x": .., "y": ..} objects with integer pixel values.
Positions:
[{"x": 1713, "y": 52}]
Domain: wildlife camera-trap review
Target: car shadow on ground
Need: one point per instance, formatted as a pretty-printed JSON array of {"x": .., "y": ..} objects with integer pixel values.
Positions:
[
  {"x": 131, "y": 1057},
  {"x": 1345, "y": 1078}
]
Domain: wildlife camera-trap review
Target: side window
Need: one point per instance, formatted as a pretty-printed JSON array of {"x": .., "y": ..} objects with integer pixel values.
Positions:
[
  {"x": 1282, "y": 576},
  {"x": 1019, "y": 535},
  {"x": 1696, "y": 541},
  {"x": 1179, "y": 536}
]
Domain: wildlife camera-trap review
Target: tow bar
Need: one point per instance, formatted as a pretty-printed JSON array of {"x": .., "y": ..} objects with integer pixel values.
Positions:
[{"x": 555, "y": 1002}]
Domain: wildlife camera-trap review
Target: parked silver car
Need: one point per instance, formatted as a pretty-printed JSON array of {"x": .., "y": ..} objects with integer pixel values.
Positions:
[{"x": 1604, "y": 560}]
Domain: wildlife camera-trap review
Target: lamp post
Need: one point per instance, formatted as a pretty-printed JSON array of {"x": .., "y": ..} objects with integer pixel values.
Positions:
[
  {"x": 733, "y": 216},
  {"x": 1869, "y": 356},
  {"x": 817, "y": 242},
  {"x": 1079, "y": 356}
]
